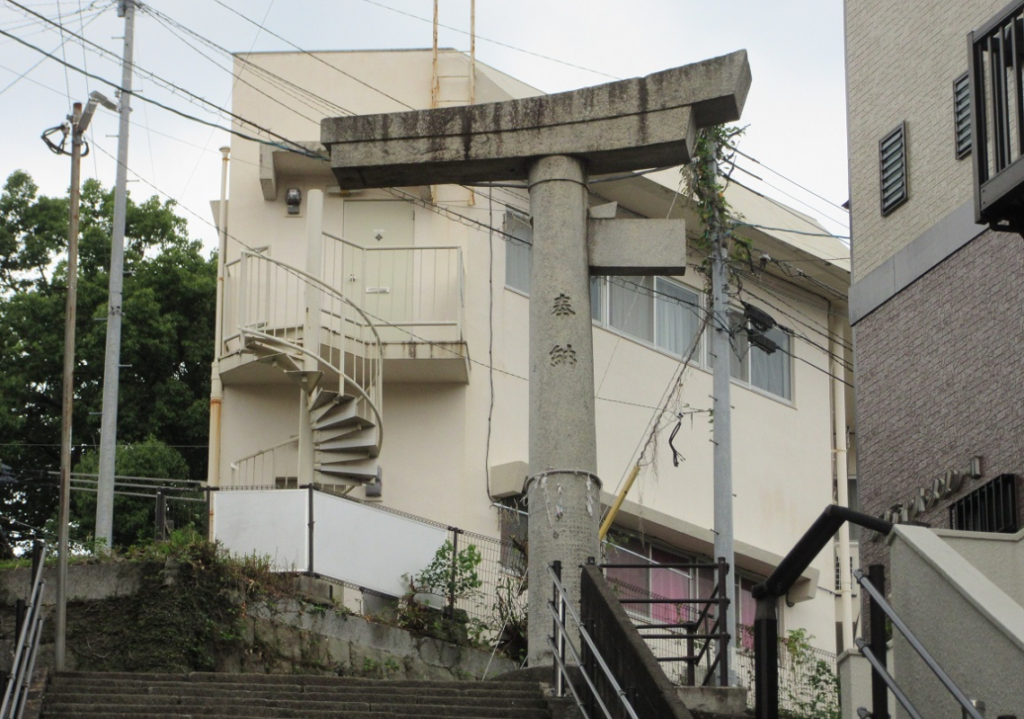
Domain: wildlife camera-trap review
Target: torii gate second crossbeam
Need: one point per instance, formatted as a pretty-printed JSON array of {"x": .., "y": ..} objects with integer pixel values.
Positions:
[{"x": 556, "y": 142}]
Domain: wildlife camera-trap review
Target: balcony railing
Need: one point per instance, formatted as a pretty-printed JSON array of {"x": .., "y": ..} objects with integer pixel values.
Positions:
[
  {"x": 997, "y": 119},
  {"x": 412, "y": 294}
]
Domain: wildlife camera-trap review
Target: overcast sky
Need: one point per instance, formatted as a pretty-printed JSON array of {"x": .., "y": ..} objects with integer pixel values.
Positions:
[{"x": 796, "y": 109}]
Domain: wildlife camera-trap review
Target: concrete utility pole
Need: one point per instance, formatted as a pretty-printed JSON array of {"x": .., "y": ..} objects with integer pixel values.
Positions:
[
  {"x": 112, "y": 359},
  {"x": 555, "y": 142},
  {"x": 79, "y": 123},
  {"x": 721, "y": 349}
]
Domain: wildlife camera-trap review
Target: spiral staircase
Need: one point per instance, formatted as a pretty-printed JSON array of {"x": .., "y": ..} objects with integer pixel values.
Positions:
[{"x": 304, "y": 328}]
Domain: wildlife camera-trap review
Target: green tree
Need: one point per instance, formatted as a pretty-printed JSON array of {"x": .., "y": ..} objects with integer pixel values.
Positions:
[{"x": 167, "y": 337}]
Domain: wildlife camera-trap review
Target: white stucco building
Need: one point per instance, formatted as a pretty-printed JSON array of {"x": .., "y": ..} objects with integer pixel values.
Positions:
[{"x": 437, "y": 409}]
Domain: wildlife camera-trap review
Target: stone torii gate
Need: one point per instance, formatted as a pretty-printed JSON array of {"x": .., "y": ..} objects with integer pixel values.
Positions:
[{"x": 555, "y": 142}]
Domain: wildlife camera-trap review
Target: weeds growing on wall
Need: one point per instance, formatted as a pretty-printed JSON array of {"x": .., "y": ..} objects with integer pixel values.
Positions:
[{"x": 188, "y": 611}]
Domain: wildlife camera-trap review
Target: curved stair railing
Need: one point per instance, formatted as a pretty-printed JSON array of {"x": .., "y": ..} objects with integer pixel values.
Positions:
[{"x": 315, "y": 335}]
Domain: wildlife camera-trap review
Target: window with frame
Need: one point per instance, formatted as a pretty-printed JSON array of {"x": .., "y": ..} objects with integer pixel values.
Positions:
[
  {"x": 518, "y": 251},
  {"x": 755, "y": 365},
  {"x": 656, "y": 310}
]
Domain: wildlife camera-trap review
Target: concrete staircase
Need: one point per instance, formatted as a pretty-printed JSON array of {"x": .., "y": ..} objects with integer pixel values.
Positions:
[{"x": 82, "y": 695}]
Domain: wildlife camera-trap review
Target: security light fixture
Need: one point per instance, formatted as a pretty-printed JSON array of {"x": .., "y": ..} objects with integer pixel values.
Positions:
[
  {"x": 293, "y": 198},
  {"x": 103, "y": 100}
]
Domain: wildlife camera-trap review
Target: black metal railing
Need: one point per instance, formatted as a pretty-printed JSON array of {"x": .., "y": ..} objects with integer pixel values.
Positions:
[
  {"x": 621, "y": 676},
  {"x": 766, "y": 623},
  {"x": 565, "y": 653},
  {"x": 697, "y": 632},
  {"x": 997, "y": 118},
  {"x": 876, "y": 650},
  {"x": 29, "y": 630}
]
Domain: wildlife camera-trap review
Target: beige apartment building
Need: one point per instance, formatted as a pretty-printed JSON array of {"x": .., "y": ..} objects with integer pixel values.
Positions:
[{"x": 406, "y": 310}]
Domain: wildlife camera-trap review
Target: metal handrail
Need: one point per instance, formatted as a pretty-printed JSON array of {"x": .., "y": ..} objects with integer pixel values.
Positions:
[
  {"x": 24, "y": 664},
  {"x": 940, "y": 673},
  {"x": 718, "y": 629},
  {"x": 880, "y": 669},
  {"x": 559, "y": 644},
  {"x": 324, "y": 287}
]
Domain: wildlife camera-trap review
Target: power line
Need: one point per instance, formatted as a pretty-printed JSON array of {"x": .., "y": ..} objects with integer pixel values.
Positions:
[
  {"x": 298, "y": 148},
  {"x": 155, "y": 78},
  {"x": 787, "y": 194},
  {"x": 41, "y": 60},
  {"x": 289, "y": 88},
  {"x": 793, "y": 182},
  {"x": 318, "y": 59},
  {"x": 490, "y": 40}
]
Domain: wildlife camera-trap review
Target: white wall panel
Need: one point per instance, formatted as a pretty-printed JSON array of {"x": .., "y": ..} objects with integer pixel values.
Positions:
[
  {"x": 264, "y": 522},
  {"x": 370, "y": 547}
]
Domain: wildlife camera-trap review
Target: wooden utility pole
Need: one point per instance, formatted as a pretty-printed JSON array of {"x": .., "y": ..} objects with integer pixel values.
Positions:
[{"x": 79, "y": 122}]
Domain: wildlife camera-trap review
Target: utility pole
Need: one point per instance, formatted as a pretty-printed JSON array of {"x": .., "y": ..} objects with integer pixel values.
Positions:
[
  {"x": 112, "y": 358},
  {"x": 79, "y": 123},
  {"x": 721, "y": 347}
]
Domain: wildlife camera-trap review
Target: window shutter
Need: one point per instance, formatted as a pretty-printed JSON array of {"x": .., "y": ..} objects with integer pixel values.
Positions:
[
  {"x": 892, "y": 157},
  {"x": 962, "y": 115}
]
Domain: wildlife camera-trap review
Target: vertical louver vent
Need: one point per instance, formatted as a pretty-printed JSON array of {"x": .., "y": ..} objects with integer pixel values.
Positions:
[
  {"x": 892, "y": 156},
  {"x": 962, "y": 115}
]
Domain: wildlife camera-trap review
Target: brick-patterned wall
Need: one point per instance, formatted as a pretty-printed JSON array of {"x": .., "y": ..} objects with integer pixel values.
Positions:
[
  {"x": 940, "y": 379},
  {"x": 902, "y": 58}
]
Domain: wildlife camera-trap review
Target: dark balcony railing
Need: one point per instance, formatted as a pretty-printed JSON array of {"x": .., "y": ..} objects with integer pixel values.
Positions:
[{"x": 996, "y": 53}]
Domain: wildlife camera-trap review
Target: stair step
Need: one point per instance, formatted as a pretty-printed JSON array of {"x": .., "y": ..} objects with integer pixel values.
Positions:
[
  {"x": 281, "y": 360},
  {"x": 86, "y": 695},
  {"x": 272, "y": 708},
  {"x": 363, "y": 469},
  {"x": 286, "y": 695},
  {"x": 308, "y": 379},
  {"x": 354, "y": 439},
  {"x": 326, "y": 397}
]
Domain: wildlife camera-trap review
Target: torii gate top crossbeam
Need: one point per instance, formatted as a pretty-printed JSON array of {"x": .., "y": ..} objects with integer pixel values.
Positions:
[{"x": 616, "y": 127}]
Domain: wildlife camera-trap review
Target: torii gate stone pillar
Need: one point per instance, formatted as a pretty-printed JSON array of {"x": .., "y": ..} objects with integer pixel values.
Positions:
[{"x": 556, "y": 142}]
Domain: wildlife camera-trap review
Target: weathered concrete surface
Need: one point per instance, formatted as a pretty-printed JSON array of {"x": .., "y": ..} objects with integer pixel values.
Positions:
[
  {"x": 563, "y": 491},
  {"x": 85, "y": 582},
  {"x": 636, "y": 247},
  {"x": 714, "y": 700},
  {"x": 289, "y": 634},
  {"x": 854, "y": 683},
  {"x": 631, "y": 124}
]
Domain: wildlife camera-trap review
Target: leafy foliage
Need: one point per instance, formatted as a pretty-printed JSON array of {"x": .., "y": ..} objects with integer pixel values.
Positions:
[
  {"x": 135, "y": 515},
  {"x": 817, "y": 695},
  {"x": 167, "y": 337},
  {"x": 188, "y": 612},
  {"x": 451, "y": 575}
]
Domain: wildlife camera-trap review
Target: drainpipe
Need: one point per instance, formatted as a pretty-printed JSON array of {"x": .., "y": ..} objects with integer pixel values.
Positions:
[
  {"x": 842, "y": 488},
  {"x": 311, "y": 332},
  {"x": 216, "y": 388}
]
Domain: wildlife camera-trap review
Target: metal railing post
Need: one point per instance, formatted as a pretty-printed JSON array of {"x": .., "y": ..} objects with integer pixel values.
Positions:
[
  {"x": 556, "y": 633},
  {"x": 455, "y": 558},
  {"x": 725, "y": 641},
  {"x": 766, "y": 658},
  {"x": 879, "y": 691},
  {"x": 161, "y": 516},
  {"x": 310, "y": 530}
]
